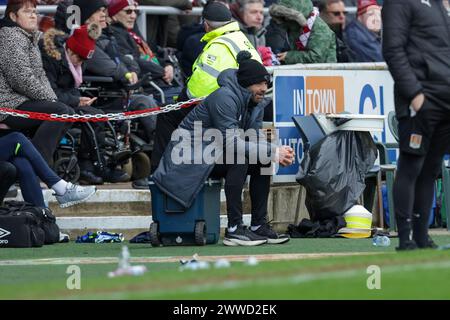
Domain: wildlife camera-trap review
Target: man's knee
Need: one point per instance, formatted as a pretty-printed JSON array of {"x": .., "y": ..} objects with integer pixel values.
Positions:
[
  {"x": 23, "y": 166},
  {"x": 18, "y": 137}
]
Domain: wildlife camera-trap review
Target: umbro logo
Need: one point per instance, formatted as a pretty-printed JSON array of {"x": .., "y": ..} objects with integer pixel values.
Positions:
[{"x": 4, "y": 233}]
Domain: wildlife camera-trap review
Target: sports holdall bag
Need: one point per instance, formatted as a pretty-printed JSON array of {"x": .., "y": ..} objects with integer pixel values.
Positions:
[{"x": 24, "y": 225}]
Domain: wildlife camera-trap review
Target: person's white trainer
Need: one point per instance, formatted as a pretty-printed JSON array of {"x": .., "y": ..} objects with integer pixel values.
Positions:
[{"x": 75, "y": 194}]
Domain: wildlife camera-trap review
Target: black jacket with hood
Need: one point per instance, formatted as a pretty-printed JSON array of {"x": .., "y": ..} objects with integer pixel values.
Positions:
[
  {"x": 226, "y": 108},
  {"x": 57, "y": 68},
  {"x": 127, "y": 47},
  {"x": 416, "y": 47},
  {"x": 107, "y": 60}
]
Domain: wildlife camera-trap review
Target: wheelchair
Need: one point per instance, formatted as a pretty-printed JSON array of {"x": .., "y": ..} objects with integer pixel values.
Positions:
[{"x": 122, "y": 142}]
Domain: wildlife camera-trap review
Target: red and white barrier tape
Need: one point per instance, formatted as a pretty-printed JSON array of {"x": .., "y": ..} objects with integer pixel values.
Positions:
[{"x": 103, "y": 117}]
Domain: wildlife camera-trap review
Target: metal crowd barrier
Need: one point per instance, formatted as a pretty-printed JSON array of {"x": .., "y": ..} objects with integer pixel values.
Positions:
[{"x": 152, "y": 10}]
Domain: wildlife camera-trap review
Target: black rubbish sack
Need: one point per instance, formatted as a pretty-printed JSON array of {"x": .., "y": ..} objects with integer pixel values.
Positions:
[{"x": 333, "y": 172}]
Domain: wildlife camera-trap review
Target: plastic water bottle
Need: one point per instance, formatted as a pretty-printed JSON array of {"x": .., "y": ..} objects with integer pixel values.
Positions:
[
  {"x": 124, "y": 261},
  {"x": 381, "y": 241}
]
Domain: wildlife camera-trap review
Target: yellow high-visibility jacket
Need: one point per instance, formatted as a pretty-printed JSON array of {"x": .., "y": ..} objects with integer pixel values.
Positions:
[{"x": 223, "y": 45}]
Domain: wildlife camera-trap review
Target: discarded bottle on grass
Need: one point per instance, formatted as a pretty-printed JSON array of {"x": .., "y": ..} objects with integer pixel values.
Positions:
[
  {"x": 381, "y": 241},
  {"x": 124, "y": 261}
]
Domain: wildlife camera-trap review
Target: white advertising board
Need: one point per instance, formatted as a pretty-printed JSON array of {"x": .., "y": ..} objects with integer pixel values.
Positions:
[{"x": 301, "y": 92}]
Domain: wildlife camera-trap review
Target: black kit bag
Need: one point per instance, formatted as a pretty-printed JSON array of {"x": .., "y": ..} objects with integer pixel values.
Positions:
[
  {"x": 44, "y": 217},
  {"x": 20, "y": 229}
]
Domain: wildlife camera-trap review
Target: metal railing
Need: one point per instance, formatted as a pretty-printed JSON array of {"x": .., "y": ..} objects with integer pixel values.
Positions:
[{"x": 152, "y": 10}]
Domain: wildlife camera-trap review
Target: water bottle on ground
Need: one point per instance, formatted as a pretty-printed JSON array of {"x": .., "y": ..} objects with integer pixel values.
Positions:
[
  {"x": 124, "y": 261},
  {"x": 381, "y": 241}
]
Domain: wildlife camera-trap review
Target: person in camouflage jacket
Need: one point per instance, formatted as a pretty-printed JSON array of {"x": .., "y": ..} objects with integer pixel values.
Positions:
[{"x": 316, "y": 45}]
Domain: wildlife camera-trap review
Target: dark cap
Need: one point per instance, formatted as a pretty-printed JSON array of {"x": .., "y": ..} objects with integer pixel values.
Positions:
[{"x": 217, "y": 12}]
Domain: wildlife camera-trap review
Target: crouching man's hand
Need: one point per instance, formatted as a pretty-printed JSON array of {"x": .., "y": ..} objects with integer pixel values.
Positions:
[{"x": 285, "y": 155}]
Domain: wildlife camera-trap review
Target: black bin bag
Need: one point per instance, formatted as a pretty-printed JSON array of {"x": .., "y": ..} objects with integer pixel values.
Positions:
[{"x": 333, "y": 172}]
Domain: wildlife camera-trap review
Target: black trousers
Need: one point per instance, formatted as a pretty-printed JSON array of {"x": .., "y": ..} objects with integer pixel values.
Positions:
[
  {"x": 7, "y": 178},
  {"x": 46, "y": 134},
  {"x": 419, "y": 165},
  {"x": 235, "y": 176}
]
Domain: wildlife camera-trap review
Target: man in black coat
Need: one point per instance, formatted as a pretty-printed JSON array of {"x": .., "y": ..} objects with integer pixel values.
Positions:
[
  {"x": 238, "y": 105},
  {"x": 416, "y": 46}
]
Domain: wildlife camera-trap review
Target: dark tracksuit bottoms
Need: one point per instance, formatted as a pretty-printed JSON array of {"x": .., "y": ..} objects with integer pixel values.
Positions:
[
  {"x": 47, "y": 134},
  {"x": 18, "y": 150}
]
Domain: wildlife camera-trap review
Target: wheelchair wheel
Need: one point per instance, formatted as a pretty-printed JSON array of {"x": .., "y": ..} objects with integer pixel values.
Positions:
[
  {"x": 141, "y": 166},
  {"x": 128, "y": 167},
  {"x": 67, "y": 169}
]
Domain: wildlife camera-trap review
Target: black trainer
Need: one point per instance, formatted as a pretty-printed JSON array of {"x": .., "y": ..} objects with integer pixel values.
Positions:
[
  {"x": 243, "y": 236},
  {"x": 407, "y": 246},
  {"x": 266, "y": 230},
  {"x": 430, "y": 244}
]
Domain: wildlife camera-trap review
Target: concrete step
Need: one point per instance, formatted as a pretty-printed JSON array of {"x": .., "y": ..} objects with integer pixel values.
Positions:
[
  {"x": 112, "y": 202},
  {"x": 128, "y": 225},
  {"x": 119, "y": 208}
]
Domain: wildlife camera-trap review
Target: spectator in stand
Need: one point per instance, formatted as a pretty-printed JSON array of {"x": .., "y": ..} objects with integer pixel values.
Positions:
[
  {"x": 159, "y": 26},
  {"x": 63, "y": 59},
  {"x": 62, "y": 16},
  {"x": 30, "y": 167},
  {"x": 108, "y": 61},
  {"x": 334, "y": 14},
  {"x": 189, "y": 44},
  {"x": 268, "y": 3},
  {"x": 310, "y": 40},
  {"x": 250, "y": 16},
  {"x": 123, "y": 14},
  {"x": 23, "y": 82},
  {"x": 363, "y": 34}
]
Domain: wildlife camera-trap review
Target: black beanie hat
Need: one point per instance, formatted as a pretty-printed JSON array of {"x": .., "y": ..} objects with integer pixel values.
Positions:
[
  {"x": 89, "y": 7},
  {"x": 61, "y": 15},
  {"x": 217, "y": 12},
  {"x": 250, "y": 71}
]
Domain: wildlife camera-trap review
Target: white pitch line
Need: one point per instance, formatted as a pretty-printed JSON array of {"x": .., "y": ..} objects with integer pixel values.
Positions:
[
  {"x": 308, "y": 277},
  {"x": 278, "y": 280},
  {"x": 233, "y": 258}
]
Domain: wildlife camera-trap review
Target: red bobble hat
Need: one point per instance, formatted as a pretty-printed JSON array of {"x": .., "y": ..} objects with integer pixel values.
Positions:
[
  {"x": 82, "y": 41},
  {"x": 364, "y": 4},
  {"x": 115, "y": 6}
]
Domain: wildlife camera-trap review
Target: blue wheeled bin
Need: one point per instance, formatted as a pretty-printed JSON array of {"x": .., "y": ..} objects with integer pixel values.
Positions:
[{"x": 174, "y": 225}]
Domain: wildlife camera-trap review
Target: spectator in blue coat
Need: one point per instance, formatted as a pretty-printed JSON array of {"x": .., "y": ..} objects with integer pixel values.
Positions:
[{"x": 363, "y": 34}]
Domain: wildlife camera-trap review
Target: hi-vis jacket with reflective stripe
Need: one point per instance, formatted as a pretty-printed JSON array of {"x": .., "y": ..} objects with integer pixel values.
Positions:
[{"x": 220, "y": 53}]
